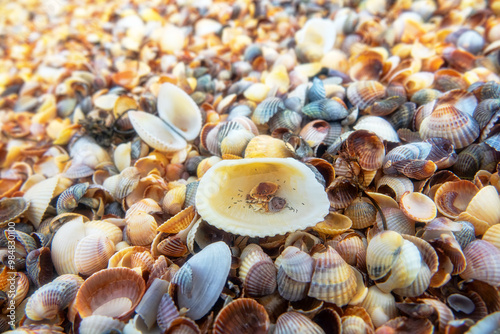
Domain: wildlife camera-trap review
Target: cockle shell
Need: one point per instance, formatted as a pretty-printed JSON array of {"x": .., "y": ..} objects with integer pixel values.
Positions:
[
  {"x": 294, "y": 273},
  {"x": 53, "y": 297},
  {"x": 92, "y": 253},
  {"x": 452, "y": 198},
  {"x": 257, "y": 272},
  {"x": 295, "y": 323},
  {"x": 333, "y": 280},
  {"x": 113, "y": 292},
  {"x": 221, "y": 196},
  {"x": 201, "y": 279},
  {"x": 244, "y": 315},
  {"x": 39, "y": 197},
  {"x": 380, "y": 305},
  {"x": 418, "y": 207},
  {"x": 317, "y": 32},
  {"x": 483, "y": 210},
  {"x": 99, "y": 324},
  {"x": 482, "y": 263}
]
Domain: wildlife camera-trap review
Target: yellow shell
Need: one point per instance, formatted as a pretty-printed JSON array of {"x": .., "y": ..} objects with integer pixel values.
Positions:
[{"x": 266, "y": 147}]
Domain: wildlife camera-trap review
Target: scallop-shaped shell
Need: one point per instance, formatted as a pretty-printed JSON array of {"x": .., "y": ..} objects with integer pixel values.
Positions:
[
  {"x": 394, "y": 186},
  {"x": 178, "y": 222},
  {"x": 364, "y": 93},
  {"x": 267, "y": 109},
  {"x": 286, "y": 119},
  {"x": 418, "y": 207},
  {"x": 244, "y": 315},
  {"x": 179, "y": 111},
  {"x": 379, "y": 126},
  {"x": 295, "y": 323},
  {"x": 352, "y": 324},
  {"x": 201, "y": 279},
  {"x": 39, "y": 197},
  {"x": 92, "y": 253},
  {"x": 294, "y": 273},
  {"x": 452, "y": 198},
  {"x": 53, "y": 297},
  {"x": 167, "y": 312},
  {"x": 258, "y": 273},
  {"x": 492, "y": 235},
  {"x": 64, "y": 245},
  {"x": 221, "y": 197},
  {"x": 315, "y": 132},
  {"x": 69, "y": 198},
  {"x": 39, "y": 266},
  {"x": 100, "y": 324},
  {"x": 382, "y": 253},
  {"x": 317, "y": 32},
  {"x": 326, "y": 109},
  {"x": 266, "y": 147},
  {"x": 113, "y": 292},
  {"x": 155, "y": 132},
  {"x": 448, "y": 122},
  {"x": 362, "y": 213},
  {"x": 488, "y": 324},
  {"x": 396, "y": 221},
  {"x": 368, "y": 148},
  {"x": 334, "y": 223},
  {"x": 483, "y": 210},
  {"x": 341, "y": 193},
  {"x": 150, "y": 302},
  {"x": 482, "y": 262},
  {"x": 333, "y": 280},
  {"x": 380, "y": 305},
  {"x": 11, "y": 208},
  {"x": 236, "y": 142},
  {"x": 141, "y": 228}
]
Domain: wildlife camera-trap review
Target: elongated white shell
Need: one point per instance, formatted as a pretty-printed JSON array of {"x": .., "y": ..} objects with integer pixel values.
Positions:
[
  {"x": 179, "y": 110},
  {"x": 202, "y": 284},
  {"x": 155, "y": 132},
  {"x": 39, "y": 197},
  {"x": 221, "y": 196}
]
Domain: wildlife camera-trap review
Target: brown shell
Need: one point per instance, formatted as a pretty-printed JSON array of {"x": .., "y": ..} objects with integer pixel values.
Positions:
[
  {"x": 368, "y": 148},
  {"x": 452, "y": 198},
  {"x": 244, "y": 315}
]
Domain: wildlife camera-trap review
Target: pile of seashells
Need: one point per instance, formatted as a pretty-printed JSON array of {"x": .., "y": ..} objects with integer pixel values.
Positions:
[{"x": 241, "y": 166}]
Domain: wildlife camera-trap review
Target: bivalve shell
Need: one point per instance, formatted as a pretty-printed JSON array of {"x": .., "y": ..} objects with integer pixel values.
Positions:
[
  {"x": 296, "y": 323},
  {"x": 294, "y": 273},
  {"x": 418, "y": 207},
  {"x": 242, "y": 316},
  {"x": 482, "y": 262}
]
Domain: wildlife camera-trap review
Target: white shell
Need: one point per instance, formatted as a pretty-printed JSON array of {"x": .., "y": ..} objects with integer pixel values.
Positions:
[{"x": 222, "y": 191}]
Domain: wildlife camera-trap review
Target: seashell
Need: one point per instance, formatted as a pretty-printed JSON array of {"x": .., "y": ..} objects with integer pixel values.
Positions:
[
  {"x": 294, "y": 322},
  {"x": 326, "y": 109},
  {"x": 150, "y": 302},
  {"x": 178, "y": 222},
  {"x": 323, "y": 167},
  {"x": 317, "y": 32},
  {"x": 382, "y": 253},
  {"x": 294, "y": 273},
  {"x": 39, "y": 266},
  {"x": 465, "y": 235},
  {"x": 167, "y": 312},
  {"x": 183, "y": 325},
  {"x": 333, "y": 280},
  {"x": 396, "y": 221},
  {"x": 235, "y": 142},
  {"x": 491, "y": 235},
  {"x": 267, "y": 109},
  {"x": 416, "y": 169},
  {"x": 394, "y": 186},
  {"x": 315, "y": 132},
  {"x": 448, "y": 122},
  {"x": 486, "y": 325},
  {"x": 53, "y": 297},
  {"x": 155, "y": 132},
  {"x": 452, "y": 198},
  {"x": 403, "y": 116},
  {"x": 39, "y": 197},
  {"x": 11, "y": 208},
  {"x": 341, "y": 193},
  {"x": 174, "y": 200},
  {"x": 92, "y": 254},
  {"x": 380, "y": 305},
  {"x": 471, "y": 41},
  {"x": 366, "y": 66},
  {"x": 483, "y": 210},
  {"x": 361, "y": 213},
  {"x": 351, "y": 248},
  {"x": 113, "y": 292},
  {"x": 442, "y": 152},
  {"x": 353, "y": 324},
  {"x": 316, "y": 91},
  {"x": 266, "y": 147},
  {"x": 485, "y": 110},
  {"x": 379, "y": 126},
  {"x": 244, "y": 315},
  {"x": 286, "y": 119},
  {"x": 218, "y": 184},
  {"x": 480, "y": 256},
  {"x": 258, "y": 273},
  {"x": 364, "y": 93},
  {"x": 69, "y": 198},
  {"x": 201, "y": 279},
  {"x": 99, "y": 324},
  {"x": 334, "y": 223},
  {"x": 368, "y": 148},
  {"x": 141, "y": 228},
  {"x": 418, "y": 207}
]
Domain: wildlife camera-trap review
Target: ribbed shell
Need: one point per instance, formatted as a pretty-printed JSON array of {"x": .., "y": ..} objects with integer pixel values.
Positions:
[
  {"x": 315, "y": 132},
  {"x": 382, "y": 253},
  {"x": 341, "y": 193},
  {"x": 114, "y": 292},
  {"x": 286, "y": 119},
  {"x": 39, "y": 197},
  {"x": 418, "y": 207},
  {"x": 482, "y": 262},
  {"x": 448, "y": 122},
  {"x": 258, "y": 273},
  {"x": 368, "y": 148},
  {"x": 11, "y": 208},
  {"x": 394, "y": 186},
  {"x": 92, "y": 253},
  {"x": 68, "y": 200},
  {"x": 333, "y": 281},
  {"x": 326, "y": 109},
  {"x": 355, "y": 325},
  {"x": 178, "y": 222},
  {"x": 483, "y": 210},
  {"x": 296, "y": 323},
  {"x": 396, "y": 221},
  {"x": 267, "y": 109},
  {"x": 141, "y": 229},
  {"x": 362, "y": 213},
  {"x": 242, "y": 316},
  {"x": 452, "y": 198},
  {"x": 334, "y": 223},
  {"x": 53, "y": 297},
  {"x": 100, "y": 324},
  {"x": 381, "y": 306},
  {"x": 294, "y": 273},
  {"x": 379, "y": 126},
  {"x": 167, "y": 312},
  {"x": 364, "y": 93}
]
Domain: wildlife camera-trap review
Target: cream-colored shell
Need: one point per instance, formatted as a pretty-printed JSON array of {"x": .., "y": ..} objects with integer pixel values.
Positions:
[{"x": 221, "y": 196}]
